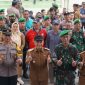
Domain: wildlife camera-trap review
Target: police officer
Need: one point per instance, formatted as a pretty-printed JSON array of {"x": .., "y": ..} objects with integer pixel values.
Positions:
[
  {"x": 8, "y": 60},
  {"x": 67, "y": 60},
  {"x": 38, "y": 58}
]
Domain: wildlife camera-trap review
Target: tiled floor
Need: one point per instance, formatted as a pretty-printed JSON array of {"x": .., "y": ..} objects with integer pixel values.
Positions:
[{"x": 27, "y": 82}]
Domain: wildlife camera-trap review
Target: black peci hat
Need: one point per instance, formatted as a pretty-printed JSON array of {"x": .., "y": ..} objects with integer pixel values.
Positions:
[{"x": 38, "y": 38}]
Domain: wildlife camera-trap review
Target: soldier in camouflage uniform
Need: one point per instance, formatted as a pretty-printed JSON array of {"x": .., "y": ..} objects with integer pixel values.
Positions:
[
  {"x": 67, "y": 60},
  {"x": 2, "y": 27},
  {"x": 78, "y": 38}
]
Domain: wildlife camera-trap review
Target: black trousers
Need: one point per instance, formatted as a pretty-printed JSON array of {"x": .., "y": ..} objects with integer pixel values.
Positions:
[
  {"x": 83, "y": 25},
  {"x": 24, "y": 64},
  {"x": 8, "y": 80}
]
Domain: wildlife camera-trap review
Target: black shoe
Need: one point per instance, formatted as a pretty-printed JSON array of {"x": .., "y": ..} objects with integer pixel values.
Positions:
[{"x": 25, "y": 76}]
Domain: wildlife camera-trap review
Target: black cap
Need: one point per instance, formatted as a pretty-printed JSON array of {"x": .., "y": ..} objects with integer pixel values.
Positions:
[
  {"x": 35, "y": 21},
  {"x": 56, "y": 22},
  {"x": 83, "y": 3},
  {"x": 76, "y": 5},
  {"x": 6, "y": 32},
  {"x": 14, "y": 2},
  {"x": 66, "y": 13},
  {"x": 38, "y": 38}
]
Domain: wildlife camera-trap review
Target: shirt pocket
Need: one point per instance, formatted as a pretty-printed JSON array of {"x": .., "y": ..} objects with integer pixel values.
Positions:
[
  {"x": 3, "y": 53},
  {"x": 13, "y": 53},
  {"x": 10, "y": 58}
]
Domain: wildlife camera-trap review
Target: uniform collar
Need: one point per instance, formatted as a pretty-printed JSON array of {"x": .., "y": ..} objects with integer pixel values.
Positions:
[{"x": 39, "y": 50}]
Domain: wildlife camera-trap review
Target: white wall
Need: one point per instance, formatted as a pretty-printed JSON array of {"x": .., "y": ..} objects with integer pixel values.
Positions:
[{"x": 69, "y": 4}]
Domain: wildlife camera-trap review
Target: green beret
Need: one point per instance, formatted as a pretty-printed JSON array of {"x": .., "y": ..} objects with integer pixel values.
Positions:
[
  {"x": 77, "y": 21},
  {"x": 55, "y": 5},
  {"x": 11, "y": 15},
  {"x": 2, "y": 10},
  {"x": 1, "y": 17},
  {"x": 64, "y": 32},
  {"x": 22, "y": 20},
  {"x": 46, "y": 18}
]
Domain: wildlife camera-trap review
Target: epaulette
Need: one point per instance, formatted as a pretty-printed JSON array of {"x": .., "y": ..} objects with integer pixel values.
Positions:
[
  {"x": 47, "y": 49},
  {"x": 30, "y": 50}
]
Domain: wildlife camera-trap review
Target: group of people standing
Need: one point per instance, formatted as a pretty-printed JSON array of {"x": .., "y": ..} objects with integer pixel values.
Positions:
[{"x": 51, "y": 44}]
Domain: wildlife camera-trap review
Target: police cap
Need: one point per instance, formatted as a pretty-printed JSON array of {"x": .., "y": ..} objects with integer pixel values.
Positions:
[{"x": 6, "y": 32}]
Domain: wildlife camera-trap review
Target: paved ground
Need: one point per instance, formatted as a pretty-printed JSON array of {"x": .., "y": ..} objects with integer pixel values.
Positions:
[{"x": 27, "y": 82}]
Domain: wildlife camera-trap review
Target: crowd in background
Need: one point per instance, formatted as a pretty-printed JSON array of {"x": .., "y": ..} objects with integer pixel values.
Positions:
[{"x": 25, "y": 26}]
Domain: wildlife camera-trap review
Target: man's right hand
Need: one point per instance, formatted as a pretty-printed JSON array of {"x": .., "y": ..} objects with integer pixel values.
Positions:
[
  {"x": 59, "y": 62},
  {"x": 29, "y": 59},
  {"x": 1, "y": 58}
]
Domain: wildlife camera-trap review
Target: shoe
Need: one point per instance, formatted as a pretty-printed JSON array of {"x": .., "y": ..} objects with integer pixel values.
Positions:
[
  {"x": 25, "y": 76},
  {"x": 20, "y": 81}
]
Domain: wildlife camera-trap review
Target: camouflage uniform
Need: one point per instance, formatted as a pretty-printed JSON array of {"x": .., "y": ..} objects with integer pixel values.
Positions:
[
  {"x": 65, "y": 74},
  {"x": 2, "y": 27},
  {"x": 78, "y": 40}
]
